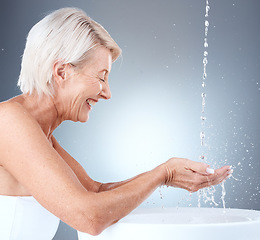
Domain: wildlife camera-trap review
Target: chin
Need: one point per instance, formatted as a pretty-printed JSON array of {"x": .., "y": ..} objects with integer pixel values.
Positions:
[
  {"x": 83, "y": 119},
  {"x": 83, "y": 116}
]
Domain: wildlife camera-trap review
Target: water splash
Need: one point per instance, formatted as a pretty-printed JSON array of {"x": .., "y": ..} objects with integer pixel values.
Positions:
[{"x": 207, "y": 194}]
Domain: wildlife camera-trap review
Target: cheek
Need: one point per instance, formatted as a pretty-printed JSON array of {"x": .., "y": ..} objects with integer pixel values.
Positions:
[{"x": 95, "y": 87}]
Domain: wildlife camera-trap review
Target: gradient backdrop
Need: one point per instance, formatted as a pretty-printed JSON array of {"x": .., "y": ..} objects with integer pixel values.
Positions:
[{"x": 154, "y": 113}]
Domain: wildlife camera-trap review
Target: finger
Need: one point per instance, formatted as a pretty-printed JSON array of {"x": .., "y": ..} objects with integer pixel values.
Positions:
[
  {"x": 223, "y": 169},
  {"x": 218, "y": 173},
  {"x": 203, "y": 180},
  {"x": 212, "y": 172},
  {"x": 217, "y": 180},
  {"x": 198, "y": 167},
  {"x": 220, "y": 179}
]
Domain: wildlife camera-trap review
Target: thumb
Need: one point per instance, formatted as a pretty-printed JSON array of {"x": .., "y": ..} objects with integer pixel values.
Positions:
[{"x": 202, "y": 168}]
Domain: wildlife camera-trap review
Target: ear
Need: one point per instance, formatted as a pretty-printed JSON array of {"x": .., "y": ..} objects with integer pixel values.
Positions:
[{"x": 60, "y": 72}]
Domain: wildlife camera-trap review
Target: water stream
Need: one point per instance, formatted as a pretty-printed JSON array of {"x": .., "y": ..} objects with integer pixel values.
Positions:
[{"x": 207, "y": 194}]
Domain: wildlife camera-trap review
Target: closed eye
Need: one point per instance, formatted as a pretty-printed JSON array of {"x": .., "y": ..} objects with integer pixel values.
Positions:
[{"x": 102, "y": 80}]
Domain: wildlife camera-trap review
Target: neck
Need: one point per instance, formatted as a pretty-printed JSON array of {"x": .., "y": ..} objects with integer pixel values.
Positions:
[{"x": 43, "y": 109}]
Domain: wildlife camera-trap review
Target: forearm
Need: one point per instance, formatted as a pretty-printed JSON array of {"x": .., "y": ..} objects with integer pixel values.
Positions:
[
  {"x": 93, "y": 211},
  {"x": 115, "y": 201},
  {"x": 113, "y": 185}
]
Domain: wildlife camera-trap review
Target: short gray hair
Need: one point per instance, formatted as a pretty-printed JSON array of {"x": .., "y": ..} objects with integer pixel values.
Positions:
[{"x": 67, "y": 34}]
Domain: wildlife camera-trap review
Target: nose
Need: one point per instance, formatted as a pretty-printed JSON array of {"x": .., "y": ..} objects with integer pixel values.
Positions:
[{"x": 105, "y": 92}]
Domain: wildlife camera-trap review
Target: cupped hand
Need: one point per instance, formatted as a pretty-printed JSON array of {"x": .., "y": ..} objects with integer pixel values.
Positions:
[{"x": 191, "y": 175}]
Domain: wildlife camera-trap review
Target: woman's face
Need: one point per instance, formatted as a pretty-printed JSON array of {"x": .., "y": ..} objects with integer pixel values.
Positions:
[{"x": 85, "y": 87}]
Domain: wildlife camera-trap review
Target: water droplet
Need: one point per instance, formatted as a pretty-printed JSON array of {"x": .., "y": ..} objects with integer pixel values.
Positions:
[
  {"x": 202, "y": 135},
  {"x": 206, "y": 23},
  {"x": 203, "y": 103},
  {"x": 204, "y": 84},
  {"x": 205, "y": 60},
  {"x": 206, "y": 53},
  {"x": 203, "y": 118},
  {"x": 206, "y": 44},
  {"x": 206, "y": 31},
  {"x": 203, "y": 95}
]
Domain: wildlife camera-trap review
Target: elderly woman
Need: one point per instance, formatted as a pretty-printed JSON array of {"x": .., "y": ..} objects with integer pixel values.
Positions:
[{"x": 65, "y": 70}]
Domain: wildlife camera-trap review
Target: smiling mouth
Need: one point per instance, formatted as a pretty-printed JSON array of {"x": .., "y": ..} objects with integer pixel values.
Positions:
[{"x": 91, "y": 102}]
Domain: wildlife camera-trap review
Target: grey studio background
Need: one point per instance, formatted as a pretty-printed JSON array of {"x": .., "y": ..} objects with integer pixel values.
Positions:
[{"x": 154, "y": 113}]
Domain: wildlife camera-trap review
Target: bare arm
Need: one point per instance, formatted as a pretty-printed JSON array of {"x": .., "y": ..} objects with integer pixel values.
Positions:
[
  {"x": 83, "y": 177},
  {"x": 27, "y": 154},
  {"x": 185, "y": 169},
  {"x": 29, "y": 157},
  {"x": 181, "y": 173},
  {"x": 88, "y": 183}
]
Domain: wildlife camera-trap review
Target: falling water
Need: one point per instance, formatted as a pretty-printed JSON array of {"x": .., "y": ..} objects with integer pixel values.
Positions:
[
  {"x": 207, "y": 194},
  {"x": 204, "y": 77}
]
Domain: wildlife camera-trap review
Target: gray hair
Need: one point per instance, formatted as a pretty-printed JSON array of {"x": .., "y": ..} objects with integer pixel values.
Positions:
[{"x": 67, "y": 34}]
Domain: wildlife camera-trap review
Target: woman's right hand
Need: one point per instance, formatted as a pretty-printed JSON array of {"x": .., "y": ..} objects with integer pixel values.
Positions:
[{"x": 191, "y": 175}]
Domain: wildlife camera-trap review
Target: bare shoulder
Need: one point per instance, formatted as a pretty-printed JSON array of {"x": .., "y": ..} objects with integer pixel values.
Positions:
[
  {"x": 14, "y": 112},
  {"x": 16, "y": 124},
  {"x": 28, "y": 156},
  {"x": 15, "y": 117}
]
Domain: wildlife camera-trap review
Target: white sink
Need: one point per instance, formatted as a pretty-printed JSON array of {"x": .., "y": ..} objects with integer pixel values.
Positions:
[{"x": 184, "y": 224}]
